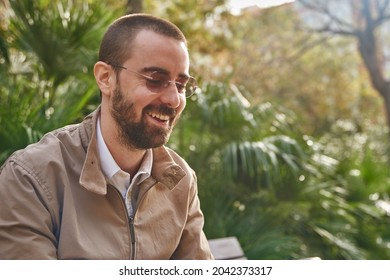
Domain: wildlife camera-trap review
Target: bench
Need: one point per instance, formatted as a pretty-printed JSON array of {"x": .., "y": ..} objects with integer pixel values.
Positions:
[{"x": 226, "y": 248}]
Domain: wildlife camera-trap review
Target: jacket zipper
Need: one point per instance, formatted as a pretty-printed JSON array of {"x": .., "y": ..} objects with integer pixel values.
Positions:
[
  {"x": 131, "y": 218},
  {"x": 132, "y": 237},
  {"x": 135, "y": 206},
  {"x": 129, "y": 221}
]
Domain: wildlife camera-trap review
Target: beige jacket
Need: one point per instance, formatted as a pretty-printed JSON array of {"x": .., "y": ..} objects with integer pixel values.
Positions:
[{"x": 55, "y": 204}]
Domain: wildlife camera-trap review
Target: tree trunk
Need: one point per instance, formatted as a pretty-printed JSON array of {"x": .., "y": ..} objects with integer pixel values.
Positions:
[
  {"x": 370, "y": 54},
  {"x": 386, "y": 99}
]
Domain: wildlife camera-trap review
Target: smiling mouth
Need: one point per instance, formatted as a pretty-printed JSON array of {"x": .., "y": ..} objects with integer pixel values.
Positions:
[{"x": 160, "y": 117}]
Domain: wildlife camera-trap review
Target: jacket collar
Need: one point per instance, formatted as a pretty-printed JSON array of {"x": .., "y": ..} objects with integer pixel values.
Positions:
[{"x": 164, "y": 169}]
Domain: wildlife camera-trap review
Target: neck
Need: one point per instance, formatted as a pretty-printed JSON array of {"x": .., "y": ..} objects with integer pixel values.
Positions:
[{"x": 127, "y": 158}]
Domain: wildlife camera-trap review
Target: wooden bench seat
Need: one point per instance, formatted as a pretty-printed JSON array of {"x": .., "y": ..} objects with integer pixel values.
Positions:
[{"x": 227, "y": 248}]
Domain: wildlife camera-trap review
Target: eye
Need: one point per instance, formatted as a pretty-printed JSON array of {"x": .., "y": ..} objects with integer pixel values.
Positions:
[
  {"x": 155, "y": 82},
  {"x": 158, "y": 76},
  {"x": 157, "y": 79}
]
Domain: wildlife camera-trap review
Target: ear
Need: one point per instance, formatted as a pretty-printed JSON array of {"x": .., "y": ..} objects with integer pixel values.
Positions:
[{"x": 105, "y": 77}]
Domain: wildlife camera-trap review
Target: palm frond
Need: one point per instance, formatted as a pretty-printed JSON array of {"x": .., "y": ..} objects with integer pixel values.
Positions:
[
  {"x": 346, "y": 247},
  {"x": 261, "y": 162}
]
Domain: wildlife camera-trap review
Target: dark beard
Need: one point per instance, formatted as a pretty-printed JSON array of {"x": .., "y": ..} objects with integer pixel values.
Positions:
[{"x": 139, "y": 135}]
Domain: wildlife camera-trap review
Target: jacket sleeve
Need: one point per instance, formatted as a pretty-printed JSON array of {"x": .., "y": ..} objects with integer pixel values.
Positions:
[
  {"x": 26, "y": 227},
  {"x": 193, "y": 244}
]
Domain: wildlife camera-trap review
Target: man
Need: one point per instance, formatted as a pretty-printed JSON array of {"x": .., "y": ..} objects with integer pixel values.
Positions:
[{"x": 107, "y": 188}]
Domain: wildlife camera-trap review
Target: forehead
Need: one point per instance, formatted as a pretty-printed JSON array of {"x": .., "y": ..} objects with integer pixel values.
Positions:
[{"x": 150, "y": 49}]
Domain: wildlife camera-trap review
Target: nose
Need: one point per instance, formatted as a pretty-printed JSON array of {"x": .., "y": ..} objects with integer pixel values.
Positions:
[{"x": 170, "y": 95}]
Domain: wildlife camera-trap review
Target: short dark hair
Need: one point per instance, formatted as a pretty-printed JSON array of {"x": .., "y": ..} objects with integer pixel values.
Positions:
[{"x": 117, "y": 41}]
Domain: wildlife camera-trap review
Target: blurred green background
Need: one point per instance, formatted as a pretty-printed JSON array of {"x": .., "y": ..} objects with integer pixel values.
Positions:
[{"x": 289, "y": 134}]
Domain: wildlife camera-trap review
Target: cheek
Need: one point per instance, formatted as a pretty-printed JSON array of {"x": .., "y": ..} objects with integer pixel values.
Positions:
[{"x": 137, "y": 96}]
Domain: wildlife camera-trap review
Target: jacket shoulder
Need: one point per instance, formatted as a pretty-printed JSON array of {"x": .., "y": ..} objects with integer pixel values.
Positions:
[
  {"x": 48, "y": 159},
  {"x": 49, "y": 146}
]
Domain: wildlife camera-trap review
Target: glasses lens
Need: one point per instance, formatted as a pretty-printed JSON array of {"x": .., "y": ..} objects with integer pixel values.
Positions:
[
  {"x": 157, "y": 81},
  {"x": 191, "y": 87}
]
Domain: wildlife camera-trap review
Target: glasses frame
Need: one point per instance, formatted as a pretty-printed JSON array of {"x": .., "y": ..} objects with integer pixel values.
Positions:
[{"x": 188, "y": 93}]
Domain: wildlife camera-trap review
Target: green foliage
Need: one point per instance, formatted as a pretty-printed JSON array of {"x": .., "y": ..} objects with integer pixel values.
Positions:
[
  {"x": 52, "y": 46},
  {"x": 283, "y": 195},
  {"x": 241, "y": 159},
  {"x": 364, "y": 177},
  {"x": 68, "y": 35}
]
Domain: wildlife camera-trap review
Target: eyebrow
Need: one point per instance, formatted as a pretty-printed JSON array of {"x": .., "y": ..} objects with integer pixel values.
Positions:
[{"x": 162, "y": 70}]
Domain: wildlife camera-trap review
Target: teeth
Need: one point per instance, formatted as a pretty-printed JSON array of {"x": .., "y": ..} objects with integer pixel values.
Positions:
[{"x": 159, "y": 116}]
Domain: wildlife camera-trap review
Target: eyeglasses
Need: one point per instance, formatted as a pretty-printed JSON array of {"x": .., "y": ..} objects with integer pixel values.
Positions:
[{"x": 157, "y": 81}]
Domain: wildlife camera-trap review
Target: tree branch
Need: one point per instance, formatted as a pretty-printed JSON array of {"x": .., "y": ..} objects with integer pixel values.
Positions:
[{"x": 344, "y": 29}]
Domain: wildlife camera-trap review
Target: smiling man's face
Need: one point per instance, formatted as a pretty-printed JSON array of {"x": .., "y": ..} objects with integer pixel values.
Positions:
[{"x": 144, "y": 117}]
